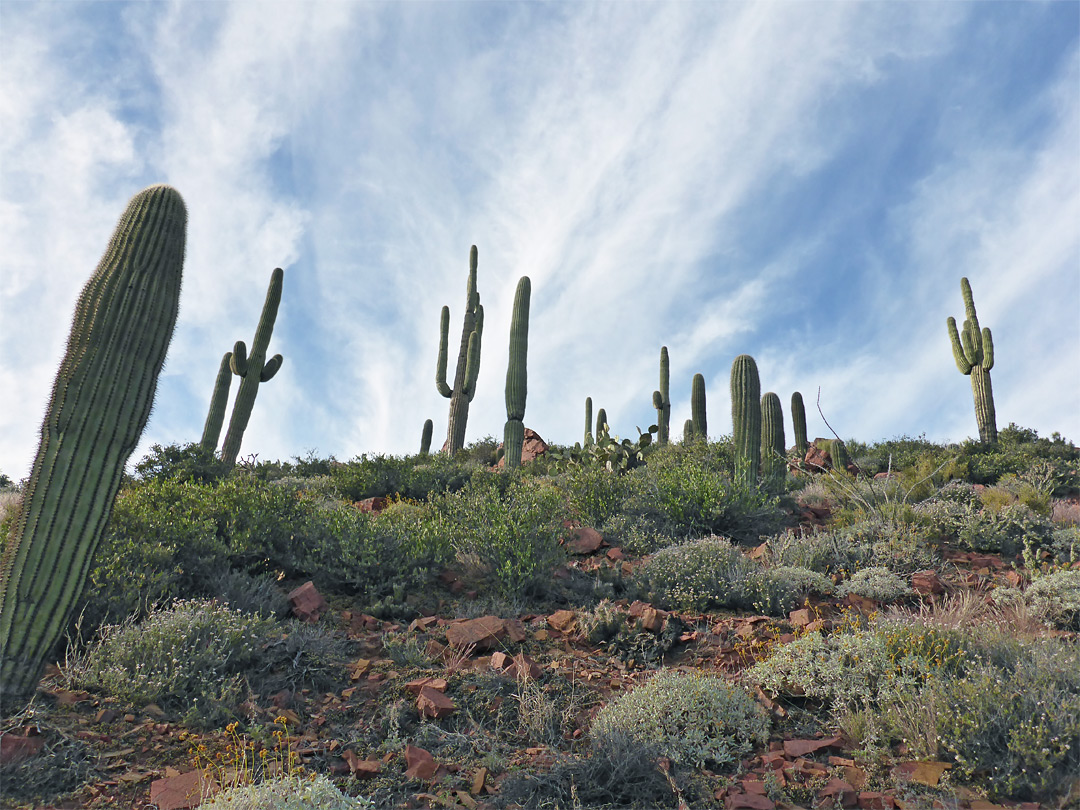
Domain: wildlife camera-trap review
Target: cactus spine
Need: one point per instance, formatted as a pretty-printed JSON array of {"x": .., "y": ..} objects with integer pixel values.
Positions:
[
  {"x": 773, "y": 441},
  {"x": 973, "y": 351},
  {"x": 798, "y": 424},
  {"x": 601, "y": 422},
  {"x": 252, "y": 369},
  {"x": 425, "y": 438},
  {"x": 516, "y": 375},
  {"x": 468, "y": 361},
  {"x": 746, "y": 418},
  {"x": 219, "y": 401},
  {"x": 100, "y": 403},
  {"x": 588, "y": 422},
  {"x": 662, "y": 400},
  {"x": 697, "y": 407}
]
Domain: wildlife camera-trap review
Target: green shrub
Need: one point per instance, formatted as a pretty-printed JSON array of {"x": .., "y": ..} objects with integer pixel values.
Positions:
[
  {"x": 286, "y": 793},
  {"x": 188, "y": 659},
  {"x": 1055, "y": 599},
  {"x": 712, "y": 573},
  {"x": 593, "y": 494},
  {"x": 691, "y": 718},
  {"x": 879, "y": 584},
  {"x": 803, "y": 581},
  {"x": 1016, "y": 729},
  {"x": 900, "y": 546},
  {"x": 1006, "y": 531},
  {"x": 189, "y": 462},
  {"x": 508, "y": 526}
]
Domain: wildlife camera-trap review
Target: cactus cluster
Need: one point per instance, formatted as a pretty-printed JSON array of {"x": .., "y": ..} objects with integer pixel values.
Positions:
[
  {"x": 973, "y": 350},
  {"x": 662, "y": 400},
  {"x": 468, "y": 360},
  {"x": 746, "y": 418},
  {"x": 516, "y": 375},
  {"x": 253, "y": 369},
  {"x": 100, "y": 403}
]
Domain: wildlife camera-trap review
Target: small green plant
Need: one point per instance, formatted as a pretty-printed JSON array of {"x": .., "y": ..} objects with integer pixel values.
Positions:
[
  {"x": 695, "y": 720},
  {"x": 879, "y": 584}
]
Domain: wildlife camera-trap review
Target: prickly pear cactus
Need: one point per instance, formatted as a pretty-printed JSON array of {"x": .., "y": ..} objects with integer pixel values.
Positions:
[{"x": 100, "y": 404}]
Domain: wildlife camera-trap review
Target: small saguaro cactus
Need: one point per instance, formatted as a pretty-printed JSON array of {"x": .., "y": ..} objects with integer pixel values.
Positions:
[
  {"x": 601, "y": 422},
  {"x": 973, "y": 351},
  {"x": 688, "y": 431},
  {"x": 746, "y": 418},
  {"x": 588, "y": 422},
  {"x": 516, "y": 375},
  {"x": 425, "y": 438},
  {"x": 219, "y": 401},
  {"x": 100, "y": 403},
  {"x": 697, "y": 407},
  {"x": 773, "y": 441},
  {"x": 252, "y": 369},
  {"x": 798, "y": 424},
  {"x": 468, "y": 361},
  {"x": 662, "y": 400},
  {"x": 839, "y": 455}
]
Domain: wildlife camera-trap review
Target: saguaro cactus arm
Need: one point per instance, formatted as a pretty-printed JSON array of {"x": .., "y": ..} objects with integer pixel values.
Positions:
[
  {"x": 219, "y": 401},
  {"x": 100, "y": 403}
]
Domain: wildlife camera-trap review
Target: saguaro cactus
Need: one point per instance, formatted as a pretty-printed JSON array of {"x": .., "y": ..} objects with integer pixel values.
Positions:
[
  {"x": 101, "y": 401},
  {"x": 839, "y": 455},
  {"x": 252, "y": 370},
  {"x": 425, "y": 438},
  {"x": 588, "y": 422},
  {"x": 746, "y": 418},
  {"x": 468, "y": 361},
  {"x": 601, "y": 422},
  {"x": 662, "y": 400},
  {"x": 798, "y": 424},
  {"x": 773, "y": 441},
  {"x": 219, "y": 401},
  {"x": 697, "y": 407},
  {"x": 516, "y": 375},
  {"x": 688, "y": 431},
  {"x": 973, "y": 351}
]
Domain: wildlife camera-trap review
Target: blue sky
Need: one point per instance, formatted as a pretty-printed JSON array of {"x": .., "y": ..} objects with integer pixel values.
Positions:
[{"x": 805, "y": 182}]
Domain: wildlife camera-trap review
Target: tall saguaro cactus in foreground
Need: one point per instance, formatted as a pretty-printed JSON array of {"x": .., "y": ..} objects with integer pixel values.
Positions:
[
  {"x": 252, "y": 369},
  {"x": 219, "y": 401},
  {"x": 100, "y": 403},
  {"x": 662, "y": 400},
  {"x": 468, "y": 361},
  {"x": 973, "y": 351},
  {"x": 746, "y": 418},
  {"x": 697, "y": 407},
  {"x": 773, "y": 441},
  {"x": 517, "y": 375},
  {"x": 798, "y": 424}
]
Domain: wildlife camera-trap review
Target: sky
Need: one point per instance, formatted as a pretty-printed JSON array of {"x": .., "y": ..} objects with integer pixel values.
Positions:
[{"x": 804, "y": 182}]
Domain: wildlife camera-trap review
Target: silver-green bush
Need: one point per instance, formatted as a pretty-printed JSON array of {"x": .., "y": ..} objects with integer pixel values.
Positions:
[{"x": 286, "y": 793}]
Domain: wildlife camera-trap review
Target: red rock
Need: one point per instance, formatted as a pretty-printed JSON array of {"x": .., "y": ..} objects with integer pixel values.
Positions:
[
  {"x": 367, "y": 768},
  {"x": 872, "y": 800},
  {"x": 799, "y": 618},
  {"x": 483, "y": 633},
  {"x": 307, "y": 603},
  {"x": 927, "y": 582},
  {"x": 839, "y": 789},
  {"x": 532, "y": 447},
  {"x": 376, "y": 504},
  {"x": 923, "y": 772},
  {"x": 883, "y": 475},
  {"x": 748, "y": 801},
  {"x": 562, "y": 620},
  {"x": 417, "y": 686},
  {"x": 433, "y": 703},
  {"x": 615, "y": 553},
  {"x": 1014, "y": 577},
  {"x": 817, "y": 457},
  {"x": 515, "y": 631},
  {"x": 653, "y": 619},
  {"x": 584, "y": 540},
  {"x": 181, "y": 792},
  {"x": 419, "y": 763},
  {"x": 800, "y": 748},
  {"x": 16, "y": 747}
]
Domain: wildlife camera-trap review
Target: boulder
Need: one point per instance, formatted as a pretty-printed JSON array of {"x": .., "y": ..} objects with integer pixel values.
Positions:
[
  {"x": 307, "y": 603},
  {"x": 532, "y": 447},
  {"x": 483, "y": 633}
]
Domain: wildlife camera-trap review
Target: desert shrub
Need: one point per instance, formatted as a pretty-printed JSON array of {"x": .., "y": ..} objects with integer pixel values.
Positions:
[
  {"x": 904, "y": 451},
  {"x": 1055, "y": 599},
  {"x": 509, "y": 527},
  {"x": 879, "y": 584},
  {"x": 188, "y": 462},
  {"x": 64, "y": 766},
  {"x": 1006, "y": 530},
  {"x": 1017, "y": 729},
  {"x": 618, "y": 771},
  {"x": 712, "y": 573},
  {"x": 803, "y": 581},
  {"x": 900, "y": 546},
  {"x": 370, "y": 476},
  {"x": 189, "y": 659},
  {"x": 248, "y": 593},
  {"x": 593, "y": 494},
  {"x": 286, "y": 793},
  {"x": 297, "y": 656},
  {"x": 693, "y": 719}
]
